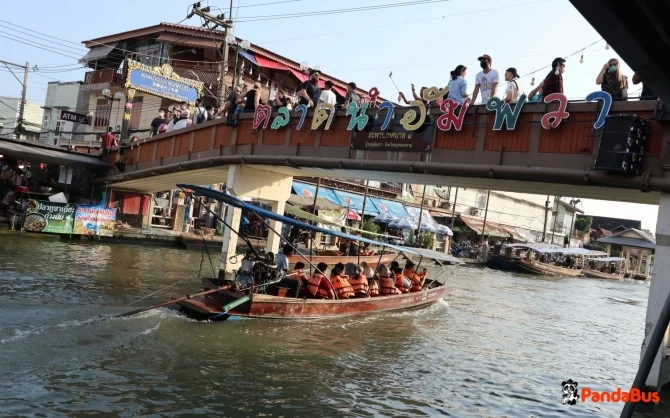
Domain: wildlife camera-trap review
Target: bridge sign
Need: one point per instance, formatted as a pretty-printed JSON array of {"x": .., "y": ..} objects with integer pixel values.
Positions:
[{"x": 162, "y": 82}]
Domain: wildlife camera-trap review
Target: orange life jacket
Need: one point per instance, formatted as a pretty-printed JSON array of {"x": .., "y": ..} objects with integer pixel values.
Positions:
[
  {"x": 374, "y": 288},
  {"x": 342, "y": 287},
  {"x": 360, "y": 285},
  {"x": 300, "y": 276},
  {"x": 401, "y": 283},
  {"x": 416, "y": 279},
  {"x": 388, "y": 286},
  {"x": 316, "y": 287}
]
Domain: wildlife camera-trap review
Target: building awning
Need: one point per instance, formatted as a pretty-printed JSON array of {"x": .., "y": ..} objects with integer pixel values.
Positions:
[
  {"x": 99, "y": 52},
  {"x": 628, "y": 242},
  {"x": 394, "y": 208},
  {"x": 355, "y": 202},
  {"x": 249, "y": 56},
  {"x": 309, "y": 190},
  {"x": 268, "y": 63},
  {"x": 493, "y": 229},
  {"x": 185, "y": 40},
  {"x": 308, "y": 202},
  {"x": 48, "y": 155}
]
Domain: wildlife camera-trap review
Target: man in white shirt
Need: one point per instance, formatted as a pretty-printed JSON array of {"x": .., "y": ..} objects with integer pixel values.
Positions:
[
  {"x": 327, "y": 95},
  {"x": 514, "y": 89},
  {"x": 486, "y": 80}
]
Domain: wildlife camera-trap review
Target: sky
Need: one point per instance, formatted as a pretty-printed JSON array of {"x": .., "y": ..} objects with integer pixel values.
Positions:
[{"x": 418, "y": 43}]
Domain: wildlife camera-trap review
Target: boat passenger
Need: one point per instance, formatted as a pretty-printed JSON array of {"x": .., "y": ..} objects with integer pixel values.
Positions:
[
  {"x": 341, "y": 284},
  {"x": 344, "y": 243},
  {"x": 299, "y": 274},
  {"x": 383, "y": 271},
  {"x": 416, "y": 278},
  {"x": 370, "y": 275},
  {"x": 387, "y": 283},
  {"x": 318, "y": 285},
  {"x": 401, "y": 282},
  {"x": 357, "y": 280},
  {"x": 291, "y": 283}
]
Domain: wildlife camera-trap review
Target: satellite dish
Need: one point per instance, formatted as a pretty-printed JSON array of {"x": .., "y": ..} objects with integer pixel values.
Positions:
[{"x": 442, "y": 193}]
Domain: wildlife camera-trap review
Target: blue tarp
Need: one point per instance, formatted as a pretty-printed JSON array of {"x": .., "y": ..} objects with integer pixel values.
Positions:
[
  {"x": 308, "y": 190},
  {"x": 355, "y": 202},
  {"x": 394, "y": 208},
  {"x": 248, "y": 55}
]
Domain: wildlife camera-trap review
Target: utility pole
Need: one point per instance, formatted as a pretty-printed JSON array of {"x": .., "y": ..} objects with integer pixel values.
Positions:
[
  {"x": 22, "y": 106},
  {"x": 226, "y": 24},
  {"x": 573, "y": 203},
  {"x": 19, "y": 120},
  {"x": 546, "y": 216}
]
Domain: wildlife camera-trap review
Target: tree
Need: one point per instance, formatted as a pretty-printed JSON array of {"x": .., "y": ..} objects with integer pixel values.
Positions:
[
  {"x": 370, "y": 226},
  {"x": 584, "y": 224}
]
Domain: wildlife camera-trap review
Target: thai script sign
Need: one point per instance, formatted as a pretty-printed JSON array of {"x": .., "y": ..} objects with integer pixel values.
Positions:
[
  {"x": 162, "y": 82},
  {"x": 416, "y": 117},
  {"x": 376, "y": 139},
  {"x": 49, "y": 217},
  {"x": 90, "y": 220}
]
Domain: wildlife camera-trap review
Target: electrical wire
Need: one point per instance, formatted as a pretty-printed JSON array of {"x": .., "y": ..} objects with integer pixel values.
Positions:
[
  {"x": 9, "y": 106},
  {"x": 245, "y": 19}
]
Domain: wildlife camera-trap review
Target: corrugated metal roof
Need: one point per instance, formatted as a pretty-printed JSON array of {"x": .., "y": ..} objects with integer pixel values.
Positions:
[
  {"x": 48, "y": 155},
  {"x": 628, "y": 242},
  {"x": 492, "y": 228}
]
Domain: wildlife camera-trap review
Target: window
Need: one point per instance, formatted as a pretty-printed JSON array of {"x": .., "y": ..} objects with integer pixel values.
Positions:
[
  {"x": 136, "y": 113},
  {"x": 481, "y": 201},
  {"x": 59, "y": 126},
  {"x": 102, "y": 110}
]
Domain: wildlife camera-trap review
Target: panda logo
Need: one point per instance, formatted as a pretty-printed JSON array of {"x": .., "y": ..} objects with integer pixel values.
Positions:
[{"x": 570, "y": 394}]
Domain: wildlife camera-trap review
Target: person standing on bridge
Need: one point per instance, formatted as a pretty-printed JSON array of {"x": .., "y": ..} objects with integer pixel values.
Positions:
[
  {"x": 309, "y": 90},
  {"x": 108, "y": 141},
  {"x": 553, "y": 82},
  {"x": 514, "y": 89},
  {"x": 253, "y": 98},
  {"x": 612, "y": 81},
  {"x": 458, "y": 86},
  {"x": 486, "y": 80}
]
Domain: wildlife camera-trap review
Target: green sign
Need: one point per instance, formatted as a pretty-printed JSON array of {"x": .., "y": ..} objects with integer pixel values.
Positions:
[{"x": 49, "y": 217}]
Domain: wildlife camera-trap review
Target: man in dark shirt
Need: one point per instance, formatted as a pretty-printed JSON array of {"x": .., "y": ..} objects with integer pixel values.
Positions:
[
  {"x": 309, "y": 91},
  {"x": 157, "y": 122},
  {"x": 352, "y": 96},
  {"x": 646, "y": 94}
]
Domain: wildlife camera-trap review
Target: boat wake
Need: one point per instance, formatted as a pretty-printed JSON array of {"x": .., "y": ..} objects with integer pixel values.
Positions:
[{"x": 23, "y": 333}]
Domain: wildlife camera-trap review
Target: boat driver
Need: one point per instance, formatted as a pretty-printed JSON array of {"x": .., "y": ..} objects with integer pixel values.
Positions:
[{"x": 281, "y": 261}]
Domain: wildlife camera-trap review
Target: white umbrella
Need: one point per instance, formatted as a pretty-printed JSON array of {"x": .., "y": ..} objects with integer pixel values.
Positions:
[
  {"x": 385, "y": 217},
  {"x": 443, "y": 229},
  {"x": 403, "y": 224}
]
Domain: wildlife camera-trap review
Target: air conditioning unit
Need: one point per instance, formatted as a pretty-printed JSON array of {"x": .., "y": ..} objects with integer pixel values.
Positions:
[
  {"x": 475, "y": 211},
  {"x": 433, "y": 203},
  {"x": 426, "y": 202}
]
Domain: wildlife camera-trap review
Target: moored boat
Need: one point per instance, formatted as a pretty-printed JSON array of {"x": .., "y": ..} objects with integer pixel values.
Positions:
[
  {"x": 537, "y": 267},
  {"x": 595, "y": 274}
]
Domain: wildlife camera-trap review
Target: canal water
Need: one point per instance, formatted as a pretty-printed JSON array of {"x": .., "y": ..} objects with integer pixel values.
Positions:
[{"x": 500, "y": 345}]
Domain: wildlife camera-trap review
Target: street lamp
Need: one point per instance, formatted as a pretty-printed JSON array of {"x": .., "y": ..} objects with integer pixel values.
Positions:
[
  {"x": 573, "y": 203},
  {"x": 242, "y": 45}
]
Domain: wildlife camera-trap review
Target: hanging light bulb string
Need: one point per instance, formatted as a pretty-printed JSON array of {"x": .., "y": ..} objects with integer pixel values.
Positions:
[{"x": 566, "y": 57}]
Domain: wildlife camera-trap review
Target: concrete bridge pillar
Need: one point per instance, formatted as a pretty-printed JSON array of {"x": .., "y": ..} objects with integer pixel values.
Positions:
[
  {"x": 255, "y": 183},
  {"x": 658, "y": 292}
]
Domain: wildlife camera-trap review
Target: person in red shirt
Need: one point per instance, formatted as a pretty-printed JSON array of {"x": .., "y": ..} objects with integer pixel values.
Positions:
[{"x": 108, "y": 141}]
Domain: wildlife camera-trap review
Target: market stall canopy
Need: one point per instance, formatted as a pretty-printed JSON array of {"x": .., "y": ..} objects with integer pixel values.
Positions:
[
  {"x": 570, "y": 251},
  {"x": 396, "y": 209},
  {"x": 355, "y": 202},
  {"x": 309, "y": 190},
  {"x": 308, "y": 202},
  {"x": 299, "y": 213},
  {"x": 443, "y": 229},
  {"x": 493, "y": 229},
  {"x": 48, "y": 155},
  {"x": 385, "y": 218}
]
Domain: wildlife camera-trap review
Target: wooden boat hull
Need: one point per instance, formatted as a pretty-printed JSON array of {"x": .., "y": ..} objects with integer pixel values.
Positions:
[
  {"x": 595, "y": 274},
  {"x": 275, "y": 307},
  {"x": 536, "y": 267},
  {"x": 331, "y": 260},
  {"x": 500, "y": 263}
]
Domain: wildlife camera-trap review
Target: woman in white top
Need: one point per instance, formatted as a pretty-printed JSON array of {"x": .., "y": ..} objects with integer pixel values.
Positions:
[
  {"x": 514, "y": 89},
  {"x": 458, "y": 87}
]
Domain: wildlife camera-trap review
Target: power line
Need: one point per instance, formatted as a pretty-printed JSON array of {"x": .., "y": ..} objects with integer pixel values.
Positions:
[
  {"x": 9, "y": 106},
  {"x": 39, "y": 47},
  {"x": 334, "y": 11}
]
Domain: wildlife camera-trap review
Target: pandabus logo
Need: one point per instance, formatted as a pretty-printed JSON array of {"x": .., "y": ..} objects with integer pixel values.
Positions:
[{"x": 570, "y": 394}]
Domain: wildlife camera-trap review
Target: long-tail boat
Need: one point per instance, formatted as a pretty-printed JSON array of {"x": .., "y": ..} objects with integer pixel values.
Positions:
[
  {"x": 597, "y": 274},
  {"x": 251, "y": 293}
]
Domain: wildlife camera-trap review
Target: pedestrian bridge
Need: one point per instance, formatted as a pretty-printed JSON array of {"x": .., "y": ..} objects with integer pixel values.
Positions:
[{"x": 528, "y": 156}]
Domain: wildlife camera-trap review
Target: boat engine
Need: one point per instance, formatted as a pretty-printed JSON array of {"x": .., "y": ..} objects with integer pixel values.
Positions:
[{"x": 257, "y": 269}]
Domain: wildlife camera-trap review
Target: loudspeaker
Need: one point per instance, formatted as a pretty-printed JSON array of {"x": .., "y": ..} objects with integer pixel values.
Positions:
[{"x": 613, "y": 143}]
